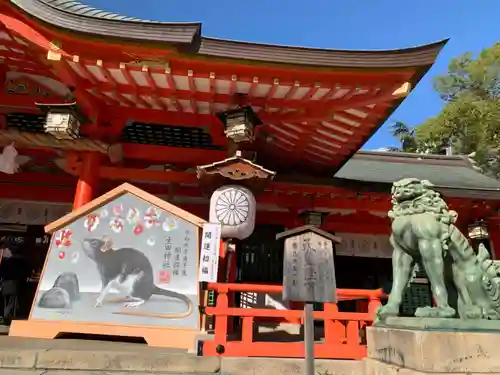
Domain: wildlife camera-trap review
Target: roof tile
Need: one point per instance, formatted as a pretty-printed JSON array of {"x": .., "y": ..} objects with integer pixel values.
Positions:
[{"x": 452, "y": 172}]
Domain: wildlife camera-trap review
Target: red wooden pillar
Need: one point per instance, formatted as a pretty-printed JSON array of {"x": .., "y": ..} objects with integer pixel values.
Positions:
[
  {"x": 494, "y": 232},
  {"x": 88, "y": 181}
]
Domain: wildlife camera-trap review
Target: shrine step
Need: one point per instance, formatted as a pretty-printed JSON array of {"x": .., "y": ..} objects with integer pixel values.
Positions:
[{"x": 22, "y": 356}]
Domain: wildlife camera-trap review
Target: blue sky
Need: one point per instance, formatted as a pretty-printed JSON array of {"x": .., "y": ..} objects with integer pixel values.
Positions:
[{"x": 355, "y": 24}]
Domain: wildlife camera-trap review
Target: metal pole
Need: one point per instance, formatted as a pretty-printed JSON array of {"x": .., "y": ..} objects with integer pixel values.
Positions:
[{"x": 309, "y": 338}]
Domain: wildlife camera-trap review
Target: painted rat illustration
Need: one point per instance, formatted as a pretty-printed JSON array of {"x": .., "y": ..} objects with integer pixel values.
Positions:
[
  {"x": 130, "y": 272},
  {"x": 63, "y": 293}
]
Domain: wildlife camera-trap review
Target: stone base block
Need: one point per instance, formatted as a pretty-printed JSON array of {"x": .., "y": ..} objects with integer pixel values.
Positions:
[
  {"x": 441, "y": 324},
  {"x": 374, "y": 367},
  {"x": 430, "y": 351}
]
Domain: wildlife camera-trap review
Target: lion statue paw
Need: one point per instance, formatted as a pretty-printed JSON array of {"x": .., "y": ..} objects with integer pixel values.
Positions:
[
  {"x": 386, "y": 311},
  {"x": 435, "y": 312},
  {"x": 476, "y": 312}
]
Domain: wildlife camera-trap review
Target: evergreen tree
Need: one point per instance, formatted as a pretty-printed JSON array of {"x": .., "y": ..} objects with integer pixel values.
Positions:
[{"x": 470, "y": 119}]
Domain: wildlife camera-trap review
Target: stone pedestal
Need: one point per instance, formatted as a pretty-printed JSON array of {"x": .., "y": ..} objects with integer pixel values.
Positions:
[{"x": 429, "y": 350}]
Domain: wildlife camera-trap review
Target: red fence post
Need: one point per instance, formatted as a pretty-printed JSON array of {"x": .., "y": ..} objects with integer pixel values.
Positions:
[
  {"x": 343, "y": 330},
  {"x": 221, "y": 321}
]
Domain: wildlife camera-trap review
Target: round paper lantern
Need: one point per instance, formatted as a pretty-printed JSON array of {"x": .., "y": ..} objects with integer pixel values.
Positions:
[{"x": 233, "y": 206}]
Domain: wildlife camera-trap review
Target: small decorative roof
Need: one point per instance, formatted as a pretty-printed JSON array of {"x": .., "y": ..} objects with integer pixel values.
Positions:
[
  {"x": 116, "y": 193},
  {"x": 259, "y": 171},
  {"x": 308, "y": 228},
  {"x": 235, "y": 169}
]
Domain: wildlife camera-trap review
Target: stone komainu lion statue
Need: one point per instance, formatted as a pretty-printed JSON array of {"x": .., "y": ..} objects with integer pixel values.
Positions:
[{"x": 423, "y": 231}]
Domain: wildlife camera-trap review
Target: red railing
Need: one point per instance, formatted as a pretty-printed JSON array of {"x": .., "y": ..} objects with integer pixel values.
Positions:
[{"x": 342, "y": 330}]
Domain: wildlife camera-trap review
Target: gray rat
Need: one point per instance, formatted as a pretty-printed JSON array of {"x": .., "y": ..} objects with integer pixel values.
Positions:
[
  {"x": 63, "y": 293},
  {"x": 130, "y": 272}
]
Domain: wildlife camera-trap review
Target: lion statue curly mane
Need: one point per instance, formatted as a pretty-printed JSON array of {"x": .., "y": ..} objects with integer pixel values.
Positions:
[{"x": 463, "y": 284}]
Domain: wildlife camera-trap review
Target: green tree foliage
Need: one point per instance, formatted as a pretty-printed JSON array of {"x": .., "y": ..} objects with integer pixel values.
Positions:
[
  {"x": 406, "y": 137},
  {"x": 470, "y": 118}
]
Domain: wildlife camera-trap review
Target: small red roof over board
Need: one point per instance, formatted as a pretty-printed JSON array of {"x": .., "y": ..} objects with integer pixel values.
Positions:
[{"x": 318, "y": 106}]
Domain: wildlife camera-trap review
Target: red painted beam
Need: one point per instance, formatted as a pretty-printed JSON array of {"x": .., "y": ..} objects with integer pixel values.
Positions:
[
  {"x": 152, "y": 176},
  {"x": 34, "y": 187},
  {"x": 62, "y": 179},
  {"x": 37, "y": 192},
  {"x": 58, "y": 194},
  {"x": 283, "y": 194},
  {"x": 287, "y": 74},
  {"x": 174, "y": 155},
  {"x": 20, "y": 103}
]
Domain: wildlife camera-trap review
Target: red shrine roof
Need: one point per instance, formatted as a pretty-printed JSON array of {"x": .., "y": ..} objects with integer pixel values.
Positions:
[{"x": 147, "y": 82}]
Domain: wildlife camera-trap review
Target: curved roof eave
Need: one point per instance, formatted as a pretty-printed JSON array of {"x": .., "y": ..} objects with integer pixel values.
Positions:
[
  {"x": 419, "y": 56},
  {"x": 78, "y": 17}
]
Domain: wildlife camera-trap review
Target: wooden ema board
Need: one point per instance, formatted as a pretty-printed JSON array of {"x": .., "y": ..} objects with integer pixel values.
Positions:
[{"x": 125, "y": 264}]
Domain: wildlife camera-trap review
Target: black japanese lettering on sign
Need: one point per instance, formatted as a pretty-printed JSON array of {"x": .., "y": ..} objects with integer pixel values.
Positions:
[{"x": 185, "y": 250}]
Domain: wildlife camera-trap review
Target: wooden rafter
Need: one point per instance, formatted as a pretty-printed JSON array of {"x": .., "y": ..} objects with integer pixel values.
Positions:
[
  {"x": 83, "y": 71},
  {"x": 151, "y": 83},
  {"x": 272, "y": 90},
  {"x": 173, "y": 88},
  {"x": 232, "y": 88},
  {"x": 116, "y": 94},
  {"x": 312, "y": 106},
  {"x": 183, "y": 119},
  {"x": 253, "y": 87},
  {"x": 211, "y": 91},
  {"x": 62, "y": 72},
  {"x": 131, "y": 81},
  {"x": 287, "y": 77},
  {"x": 192, "y": 90},
  {"x": 21, "y": 57},
  {"x": 312, "y": 91}
]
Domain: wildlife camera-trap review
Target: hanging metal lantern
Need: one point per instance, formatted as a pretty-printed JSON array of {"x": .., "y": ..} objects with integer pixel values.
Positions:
[
  {"x": 234, "y": 207},
  {"x": 62, "y": 120},
  {"x": 239, "y": 124},
  {"x": 313, "y": 218},
  {"x": 479, "y": 230}
]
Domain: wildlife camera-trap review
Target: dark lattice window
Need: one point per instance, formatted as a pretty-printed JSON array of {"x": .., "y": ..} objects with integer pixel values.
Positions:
[
  {"x": 167, "y": 135},
  {"x": 26, "y": 122}
]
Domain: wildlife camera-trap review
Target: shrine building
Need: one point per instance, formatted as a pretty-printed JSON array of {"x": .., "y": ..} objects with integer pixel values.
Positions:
[{"x": 93, "y": 99}]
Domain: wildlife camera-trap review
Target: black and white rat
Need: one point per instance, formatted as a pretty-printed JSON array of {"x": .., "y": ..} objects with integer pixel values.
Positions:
[
  {"x": 130, "y": 272},
  {"x": 63, "y": 293}
]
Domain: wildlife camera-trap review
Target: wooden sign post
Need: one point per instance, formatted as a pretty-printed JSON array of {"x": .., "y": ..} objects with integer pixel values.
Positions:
[{"x": 308, "y": 276}]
